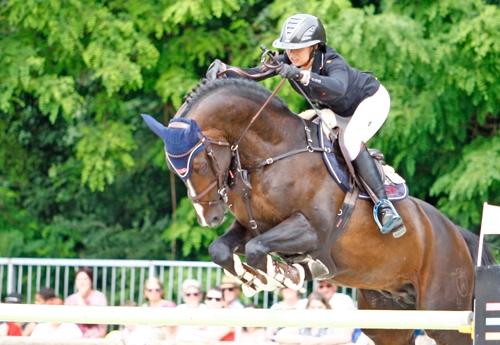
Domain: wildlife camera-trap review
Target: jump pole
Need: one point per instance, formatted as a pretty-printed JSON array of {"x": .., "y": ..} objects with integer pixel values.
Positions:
[{"x": 375, "y": 319}]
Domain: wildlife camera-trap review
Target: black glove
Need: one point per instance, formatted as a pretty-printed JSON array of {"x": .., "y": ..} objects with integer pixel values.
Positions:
[
  {"x": 289, "y": 72},
  {"x": 214, "y": 69}
]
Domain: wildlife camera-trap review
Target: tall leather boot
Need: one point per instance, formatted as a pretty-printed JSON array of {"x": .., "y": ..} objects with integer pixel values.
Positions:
[{"x": 386, "y": 216}]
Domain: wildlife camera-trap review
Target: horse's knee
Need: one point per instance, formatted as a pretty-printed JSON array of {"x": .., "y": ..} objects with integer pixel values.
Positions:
[
  {"x": 220, "y": 253},
  {"x": 256, "y": 253}
]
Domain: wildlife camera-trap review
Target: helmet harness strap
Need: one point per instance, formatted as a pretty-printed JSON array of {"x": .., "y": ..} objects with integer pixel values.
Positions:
[{"x": 313, "y": 54}]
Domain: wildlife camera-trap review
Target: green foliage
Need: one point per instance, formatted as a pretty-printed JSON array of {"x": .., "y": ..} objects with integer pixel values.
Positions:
[
  {"x": 17, "y": 227},
  {"x": 102, "y": 150},
  {"x": 471, "y": 182},
  {"x": 193, "y": 236},
  {"x": 81, "y": 175}
]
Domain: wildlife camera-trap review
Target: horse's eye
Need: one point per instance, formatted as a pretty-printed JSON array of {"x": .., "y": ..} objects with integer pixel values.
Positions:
[{"x": 203, "y": 167}]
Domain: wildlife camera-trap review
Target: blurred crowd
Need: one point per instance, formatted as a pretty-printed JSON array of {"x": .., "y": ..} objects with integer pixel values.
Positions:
[{"x": 226, "y": 295}]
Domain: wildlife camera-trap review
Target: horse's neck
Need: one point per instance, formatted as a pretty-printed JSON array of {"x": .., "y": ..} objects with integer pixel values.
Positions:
[
  {"x": 273, "y": 135},
  {"x": 272, "y": 132}
]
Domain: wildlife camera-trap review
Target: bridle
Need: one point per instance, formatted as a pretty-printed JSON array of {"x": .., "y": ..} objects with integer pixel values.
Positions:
[{"x": 220, "y": 176}]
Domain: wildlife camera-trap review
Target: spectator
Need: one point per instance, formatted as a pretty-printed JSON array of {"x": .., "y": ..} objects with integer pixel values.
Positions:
[
  {"x": 214, "y": 299},
  {"x": 231, "y": 291},
  {"x": 316, "y": 301},
  {"x": 154, "y": 294},
  {"x": 11, "y": 328},
  {"x": 41, "y": 297},
  {"x": 132, "y": 334},
  {"x": 86, "y": 296},
  {"x": 192, "y": 294},
  {"x": 337, "y": 300},
  {"x": 250, "y": 335},
  {"x": 290, "y": 298},
  {"x": 52, "y": 330}
]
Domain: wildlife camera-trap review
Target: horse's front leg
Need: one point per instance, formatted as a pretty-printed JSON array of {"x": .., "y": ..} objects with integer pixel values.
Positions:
[
  {"x": 295, "y": 235},
  {"x": 232, "y": 241},
  {"x": 224, "y": 250}
]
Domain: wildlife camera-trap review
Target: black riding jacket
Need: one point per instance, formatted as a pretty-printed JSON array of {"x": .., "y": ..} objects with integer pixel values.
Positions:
[{"x": 333, "y": 83}]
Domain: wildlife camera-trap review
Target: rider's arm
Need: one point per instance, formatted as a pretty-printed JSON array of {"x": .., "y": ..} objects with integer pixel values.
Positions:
[
  {"x": 338, "y": 336},
  {"x": 333, "y": 81}
]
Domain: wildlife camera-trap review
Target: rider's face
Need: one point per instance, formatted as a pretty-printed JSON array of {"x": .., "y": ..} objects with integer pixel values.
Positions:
[{"x": 299, "y": 57}]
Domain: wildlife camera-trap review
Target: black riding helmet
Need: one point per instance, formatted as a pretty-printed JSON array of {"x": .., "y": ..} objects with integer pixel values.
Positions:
[{"x": 299, "y": 31}]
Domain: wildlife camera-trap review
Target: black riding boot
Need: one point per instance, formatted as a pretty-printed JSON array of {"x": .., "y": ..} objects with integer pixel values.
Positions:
[{"x": 388, "y": 218}]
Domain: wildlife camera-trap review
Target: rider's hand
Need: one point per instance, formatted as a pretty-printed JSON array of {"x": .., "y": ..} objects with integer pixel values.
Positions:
[
  {"x": 214, "y": 69},
  {"x": 289, "y": 72}
]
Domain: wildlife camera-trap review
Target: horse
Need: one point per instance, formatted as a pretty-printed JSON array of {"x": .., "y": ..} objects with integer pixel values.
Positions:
[{"x": 258, "y": 162}]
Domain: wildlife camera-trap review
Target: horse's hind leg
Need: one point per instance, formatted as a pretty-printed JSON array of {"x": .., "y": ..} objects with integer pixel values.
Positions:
[
  {"x": 369, "y": 299},
  {"x": 449, "y": 337}
]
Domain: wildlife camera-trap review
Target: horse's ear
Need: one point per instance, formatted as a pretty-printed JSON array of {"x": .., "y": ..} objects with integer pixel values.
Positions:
[{"x": 154, "y": 125}]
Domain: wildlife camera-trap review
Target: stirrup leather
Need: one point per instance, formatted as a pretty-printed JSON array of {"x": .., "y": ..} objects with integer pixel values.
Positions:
[{"x": 384, "y": 229}]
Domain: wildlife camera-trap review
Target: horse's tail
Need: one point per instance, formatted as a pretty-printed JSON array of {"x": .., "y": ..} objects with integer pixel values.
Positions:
[{"x": 472, "y": 241}]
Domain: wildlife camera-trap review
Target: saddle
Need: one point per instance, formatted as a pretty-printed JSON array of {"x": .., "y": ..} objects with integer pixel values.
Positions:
[{"x": 395, "y": 186}]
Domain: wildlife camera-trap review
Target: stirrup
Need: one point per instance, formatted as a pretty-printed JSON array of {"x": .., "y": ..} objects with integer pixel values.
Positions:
[{"x": 384, "y": 229}]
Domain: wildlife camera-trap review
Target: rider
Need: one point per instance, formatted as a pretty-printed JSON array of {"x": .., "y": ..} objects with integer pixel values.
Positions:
[{"x": 327, "y": 79}]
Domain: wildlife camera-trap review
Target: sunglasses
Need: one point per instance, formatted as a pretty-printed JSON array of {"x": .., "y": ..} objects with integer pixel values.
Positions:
[
  {"x": 189, "y": 294},
  {"x": 151, "y": 290},
  {"x": 228, "y": 289},
  {"x": 218, "y": 299}
]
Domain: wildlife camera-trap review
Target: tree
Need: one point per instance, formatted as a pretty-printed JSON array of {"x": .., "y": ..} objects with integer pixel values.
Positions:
[{"x": 77, "y": 161}]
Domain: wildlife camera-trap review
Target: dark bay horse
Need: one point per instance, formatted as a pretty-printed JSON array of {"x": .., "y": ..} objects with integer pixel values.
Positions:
[{"x": 292, "y": 206}]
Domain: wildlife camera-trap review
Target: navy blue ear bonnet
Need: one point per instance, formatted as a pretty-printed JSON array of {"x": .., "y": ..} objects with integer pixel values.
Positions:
[{"x": 183, "y": 141}]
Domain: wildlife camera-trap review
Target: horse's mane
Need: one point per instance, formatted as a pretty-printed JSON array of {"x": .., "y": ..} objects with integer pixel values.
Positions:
[{"x": 241, "y": 87}]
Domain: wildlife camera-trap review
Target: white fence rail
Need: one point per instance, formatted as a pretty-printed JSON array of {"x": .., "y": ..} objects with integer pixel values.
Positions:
[
  {"x": 376, "y": 319},
  {"x": 120, "y": 280}
]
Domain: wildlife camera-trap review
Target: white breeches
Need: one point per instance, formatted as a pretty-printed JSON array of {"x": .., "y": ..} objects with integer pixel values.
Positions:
[{"x": 367, "y": 119}]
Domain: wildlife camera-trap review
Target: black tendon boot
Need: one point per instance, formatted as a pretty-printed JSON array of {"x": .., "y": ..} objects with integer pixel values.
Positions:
[{"x": 386, "y": 216}]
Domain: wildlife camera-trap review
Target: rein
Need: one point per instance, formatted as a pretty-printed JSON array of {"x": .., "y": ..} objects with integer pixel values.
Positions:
[{"x": 234, "y": 147}]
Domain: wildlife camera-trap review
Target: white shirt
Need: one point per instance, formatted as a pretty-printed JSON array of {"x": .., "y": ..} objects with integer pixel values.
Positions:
[
  {"x": 140, "y": 335},
  {"x": 236, "y": 304},
  {"x": 64, "y": 331}
]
